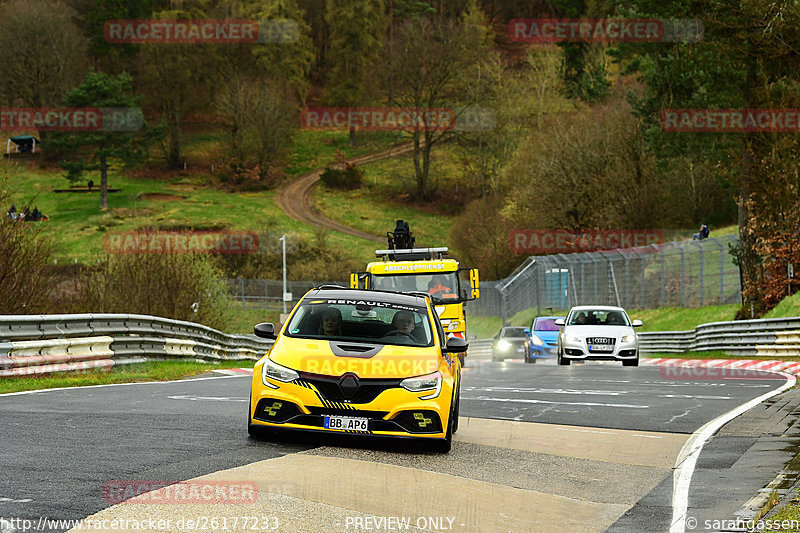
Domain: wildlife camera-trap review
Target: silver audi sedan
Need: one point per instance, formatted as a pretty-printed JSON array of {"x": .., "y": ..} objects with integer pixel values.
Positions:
[{"x": 593, "y": 332}]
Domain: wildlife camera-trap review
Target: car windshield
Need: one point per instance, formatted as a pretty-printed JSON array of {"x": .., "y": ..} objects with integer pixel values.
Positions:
[
  {"x": 372, "y": 322},
  {"x": 545, "y": 324},
  {"x": 598, "y": 317},
  {"x": 513, "y": 332},
  {"x": 441, "y": 287}
]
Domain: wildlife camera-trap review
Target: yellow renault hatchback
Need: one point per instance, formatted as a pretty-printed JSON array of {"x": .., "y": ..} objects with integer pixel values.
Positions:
[{"x": 359, "y": 361}]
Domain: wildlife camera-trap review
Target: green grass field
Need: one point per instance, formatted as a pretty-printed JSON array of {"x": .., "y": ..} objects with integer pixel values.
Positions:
[
  {"x": 385, "y": 197},
  {"x": 188, "y": 201}
]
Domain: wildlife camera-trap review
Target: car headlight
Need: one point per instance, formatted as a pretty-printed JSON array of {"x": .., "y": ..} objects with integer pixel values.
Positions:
[
  {"x": 423, "y": 383},
  {"x": 574, "y": 338},
  {"x": 277, "y": 372},
  {"x": 628, "y": 338},
  {"x": 536, "y": 340},
  {"x": 504, "y": 345}
]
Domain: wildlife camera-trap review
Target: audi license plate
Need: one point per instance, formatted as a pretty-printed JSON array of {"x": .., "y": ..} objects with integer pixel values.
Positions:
[
  {"x": 601, "y": 347},
  {"x": 346, "y": 423}
]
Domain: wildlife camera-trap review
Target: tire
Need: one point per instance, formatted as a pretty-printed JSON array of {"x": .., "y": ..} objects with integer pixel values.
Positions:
[
  {"x": 444, "y": 445},
  {"x": 458, "y": 406},
  {"x": 562, "y": 361},
  {"x": 528, "y": 359},
  {"x": 632, "y": 362}
]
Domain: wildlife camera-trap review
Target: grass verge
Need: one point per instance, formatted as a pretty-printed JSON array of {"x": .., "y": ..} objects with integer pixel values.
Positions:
[
  {"x": 787, "y": 516},
  {"x": 140, "y": 372}
]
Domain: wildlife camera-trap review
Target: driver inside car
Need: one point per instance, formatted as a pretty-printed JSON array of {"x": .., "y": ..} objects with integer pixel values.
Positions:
[{"x": 403, "y": 321}]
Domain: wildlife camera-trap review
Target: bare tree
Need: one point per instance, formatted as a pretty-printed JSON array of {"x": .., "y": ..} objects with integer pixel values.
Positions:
[
  {"x": 438, "y": 62},
  {"x": 42, "y": 52}
]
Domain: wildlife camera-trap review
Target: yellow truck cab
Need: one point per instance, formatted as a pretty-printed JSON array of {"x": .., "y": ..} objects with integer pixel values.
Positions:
[{"x": 403, "y": 268}]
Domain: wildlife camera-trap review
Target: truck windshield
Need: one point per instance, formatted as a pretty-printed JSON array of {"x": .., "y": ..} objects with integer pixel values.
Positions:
[{"x": 443, "y": 287}]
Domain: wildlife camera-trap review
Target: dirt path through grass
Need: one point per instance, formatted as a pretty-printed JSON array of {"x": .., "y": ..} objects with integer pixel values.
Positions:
[{"x": 295, "y": 197}]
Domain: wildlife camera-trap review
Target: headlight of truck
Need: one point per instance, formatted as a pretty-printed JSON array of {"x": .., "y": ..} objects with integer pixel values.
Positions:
[
  {"x": 423, "y": 383},
  {"x": 277, "y": 372}
]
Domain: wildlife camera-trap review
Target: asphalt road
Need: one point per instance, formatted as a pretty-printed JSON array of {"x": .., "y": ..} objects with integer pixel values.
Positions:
[
  {"x": 604, "y": 394},
  {"x": 59, "y": 448}
]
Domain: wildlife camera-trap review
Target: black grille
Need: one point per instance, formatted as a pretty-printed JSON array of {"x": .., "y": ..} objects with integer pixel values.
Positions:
[
  {"x": 330, "y": 387},
  {"x": 330, "y": 411},
  {"x": 419, "y": 421},
  {"x": 601, "y": 340},
  {"x": 573, "y": 351},
  {"x": 278, "y": 411}
]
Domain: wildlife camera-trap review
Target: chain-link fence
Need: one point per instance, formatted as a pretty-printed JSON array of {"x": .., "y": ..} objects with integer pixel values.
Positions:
[
  {"x": 674, "y": 274},
  {"x": 268, "y": 294}
]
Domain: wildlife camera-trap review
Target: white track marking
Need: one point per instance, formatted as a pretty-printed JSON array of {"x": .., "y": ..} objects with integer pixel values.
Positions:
[
  {"x": 525, "y": 400},
  {"x": 208, "y": 398},
  {"x": 687, "y": 458},
  {"x": 38, "y": 391}
]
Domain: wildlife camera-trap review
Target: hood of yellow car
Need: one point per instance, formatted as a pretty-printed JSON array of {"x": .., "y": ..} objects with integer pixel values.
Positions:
[{"x": 337, "y": 358}]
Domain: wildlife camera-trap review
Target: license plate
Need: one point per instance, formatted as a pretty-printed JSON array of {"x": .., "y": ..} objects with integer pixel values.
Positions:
[
  {"x": 601, "y": 348},
  {"x": 346, "y": 422}
]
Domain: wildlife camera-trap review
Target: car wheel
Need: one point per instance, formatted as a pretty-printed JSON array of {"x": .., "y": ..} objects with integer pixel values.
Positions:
[
  {"x": 458, "y": 406},
  {"x": 444, "y": 445},
  {"x": 632, "y": 362},
  {"x": 528, "y": 359},
  {"x": 562, "y": 360}
]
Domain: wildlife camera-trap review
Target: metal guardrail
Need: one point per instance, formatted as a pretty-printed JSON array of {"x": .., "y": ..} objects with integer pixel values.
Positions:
[
  {"x": 770, "y": 337},
  {"x": 480, "y": 348},
  {"x": 41, "y": 344}
]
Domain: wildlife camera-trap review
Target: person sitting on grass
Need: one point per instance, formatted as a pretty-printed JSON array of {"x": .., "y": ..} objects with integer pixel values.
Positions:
[{"x": 702, "y": 234}]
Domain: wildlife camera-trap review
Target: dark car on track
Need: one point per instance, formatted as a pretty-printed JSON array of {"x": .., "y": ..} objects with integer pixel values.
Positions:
[{"x": 512, "y": 342}]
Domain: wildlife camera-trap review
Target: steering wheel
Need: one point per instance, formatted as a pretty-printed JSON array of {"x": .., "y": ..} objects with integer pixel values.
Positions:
[{"x": 396, "y": 332}]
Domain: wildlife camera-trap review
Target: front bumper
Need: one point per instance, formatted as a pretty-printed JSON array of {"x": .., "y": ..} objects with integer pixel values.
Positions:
[
  {"x": 393, "y": 411},
  {"x": 544, "y": 351},
  {"x": 580, "y": 351},
  {"x": 515, "y": 351}
]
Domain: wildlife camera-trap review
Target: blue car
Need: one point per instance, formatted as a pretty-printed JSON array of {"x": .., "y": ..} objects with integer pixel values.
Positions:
[{"x": 544, "y": 334}]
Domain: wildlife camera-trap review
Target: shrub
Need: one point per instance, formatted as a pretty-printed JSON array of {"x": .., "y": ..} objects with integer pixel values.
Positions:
[
  {"x": 178, "y": 286},
  {"x": 26, "y": 280},
  {"x": 348, "y": 177}
]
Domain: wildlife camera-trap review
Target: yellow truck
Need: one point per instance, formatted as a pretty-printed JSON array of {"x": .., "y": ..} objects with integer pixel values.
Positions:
[{"x": 404, "y": 268}]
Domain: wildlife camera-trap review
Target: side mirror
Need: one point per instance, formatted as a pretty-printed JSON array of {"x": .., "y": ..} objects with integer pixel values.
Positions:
[
  {"x": 528, "y": 331},
  {"x": 265, "y": 330},
  {"x": 559, "y": 322},
  {"x": 636, "y": 323},
  {"x": 456, "y": 345}
]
